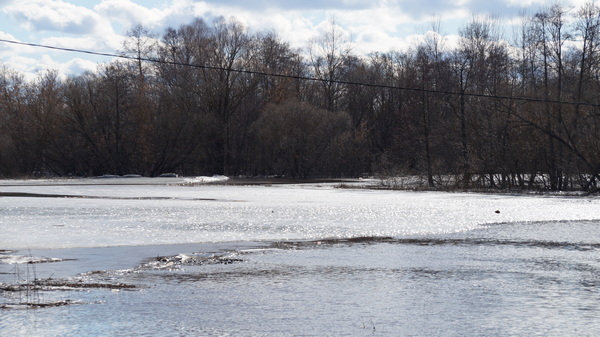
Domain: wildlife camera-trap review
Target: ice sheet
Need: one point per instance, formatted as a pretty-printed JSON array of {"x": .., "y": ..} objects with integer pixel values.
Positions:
[{"x": 114, "y": 213}]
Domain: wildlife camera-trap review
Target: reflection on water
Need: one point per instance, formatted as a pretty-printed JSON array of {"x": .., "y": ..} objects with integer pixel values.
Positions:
[{"x": 508, "y": 279}]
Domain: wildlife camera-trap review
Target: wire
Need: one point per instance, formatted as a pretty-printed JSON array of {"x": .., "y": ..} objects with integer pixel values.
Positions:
[{"x": 304, "y": 78}]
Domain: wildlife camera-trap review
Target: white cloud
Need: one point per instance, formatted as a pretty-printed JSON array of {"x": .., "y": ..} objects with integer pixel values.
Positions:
[
  {"x": 9, "y": 50},
  {"x": 54, "y": 16},
  {"x": 526, "y": 3},
  {"x": 5, "y": 47},
  {"x": 374, "y": 25},
  {"x": 372, "y": 40},
  {"x": 45, "y": 62},
  {"x": 23, "y": 65},
  {"x": 31, "y": 67},
  {"x": 299, "y": 32},
  {"x": 129, "y": 13},
  {"x": 108, "y": 44},
  {"x": 77, "y": 66}
]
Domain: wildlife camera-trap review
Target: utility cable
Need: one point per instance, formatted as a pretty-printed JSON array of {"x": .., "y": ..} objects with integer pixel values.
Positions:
[{"x": 303, "y": 78}]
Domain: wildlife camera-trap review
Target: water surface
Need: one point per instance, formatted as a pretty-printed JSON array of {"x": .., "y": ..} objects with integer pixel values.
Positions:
[{"x": 415, "y": 264}]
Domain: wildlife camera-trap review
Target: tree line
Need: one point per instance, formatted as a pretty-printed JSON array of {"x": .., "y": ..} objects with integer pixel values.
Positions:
[{"x": 220, "y": 99}]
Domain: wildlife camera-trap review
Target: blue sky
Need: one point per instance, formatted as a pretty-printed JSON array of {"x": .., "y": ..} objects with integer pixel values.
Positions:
[{"x": 373, "y": 25}]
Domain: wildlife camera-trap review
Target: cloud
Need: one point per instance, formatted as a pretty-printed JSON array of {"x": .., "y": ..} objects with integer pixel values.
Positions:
[
  {"x": 374, "y": 25},
  {"x": 10, "y": 49},
  {"x": 7, "y": 36},
  {"x": 375, "y": 40},
  {"x": 419, "y": 10},
  {"x": 129, "y": 13},
  {"x": 30, "y": 67},
  {"x": 33, "y": 67},
  {"x": 107, "y": 44},
  {"x": 23, "y": 65},
  {"x": 54, "y": 16},
  {"x": 77, "y": 66},
  {"x": 506, "y": 9},
  {"x": 296, "y": 4}
]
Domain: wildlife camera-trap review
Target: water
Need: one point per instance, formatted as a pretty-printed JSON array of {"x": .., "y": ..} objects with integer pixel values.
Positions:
[{"x": 469, "y": 276}]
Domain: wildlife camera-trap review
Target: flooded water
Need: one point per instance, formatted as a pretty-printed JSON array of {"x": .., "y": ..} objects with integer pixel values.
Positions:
[{"x": 472, "y": 277}]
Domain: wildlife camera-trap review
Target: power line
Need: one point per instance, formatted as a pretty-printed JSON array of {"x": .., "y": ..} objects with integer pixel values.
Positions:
[{"x": 304, "y": 78}]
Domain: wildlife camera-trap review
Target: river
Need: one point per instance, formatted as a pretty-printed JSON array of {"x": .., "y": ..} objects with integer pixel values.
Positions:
[{"x": 174, "y": 259}]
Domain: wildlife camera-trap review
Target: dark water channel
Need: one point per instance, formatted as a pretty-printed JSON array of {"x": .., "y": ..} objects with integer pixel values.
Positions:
[{"x": 522, "y": 279}]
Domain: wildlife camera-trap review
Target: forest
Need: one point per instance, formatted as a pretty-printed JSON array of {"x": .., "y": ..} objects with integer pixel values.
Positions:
[{"x": 213, "y": 97}]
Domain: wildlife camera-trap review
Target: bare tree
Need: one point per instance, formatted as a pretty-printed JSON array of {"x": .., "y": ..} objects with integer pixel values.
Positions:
[
  {"x": 329, "y": 55},
  {"x": 14, "y": 136},
  {"x": 296, "y": 138},
  {"x": 471, "y": 73},
  {"x": 140, "y": 45}
]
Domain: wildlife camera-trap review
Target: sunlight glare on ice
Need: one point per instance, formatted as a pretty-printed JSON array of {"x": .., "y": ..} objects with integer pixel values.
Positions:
[{"x": 170, "y": 214}]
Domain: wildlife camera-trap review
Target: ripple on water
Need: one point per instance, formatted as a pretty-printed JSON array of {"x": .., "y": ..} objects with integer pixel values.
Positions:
[{"x": 528, "y": 278}]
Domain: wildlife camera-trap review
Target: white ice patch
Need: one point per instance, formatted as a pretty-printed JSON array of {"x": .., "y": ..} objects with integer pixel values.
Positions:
[
  {"x": 205, "y": 180},
  {"x": 151, "y": 214},
  {"x": 19, "y": 259}
]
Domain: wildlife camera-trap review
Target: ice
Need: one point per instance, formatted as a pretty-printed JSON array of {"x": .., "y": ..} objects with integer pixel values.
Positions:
[
  {"x": 89, "y": 213},
  {"x": 19, "y": 259},
  {"x": 203, "y": 179}
]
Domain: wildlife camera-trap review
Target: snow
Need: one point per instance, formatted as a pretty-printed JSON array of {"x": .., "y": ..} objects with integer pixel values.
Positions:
[
  {"x": 204, "y": 179},
  {"x": 143, "y": 211},
  {"x": 20, "y": 259}
]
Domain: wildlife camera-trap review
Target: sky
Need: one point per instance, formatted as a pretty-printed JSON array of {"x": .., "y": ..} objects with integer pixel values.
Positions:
[{"x": 101, "y": 25}]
